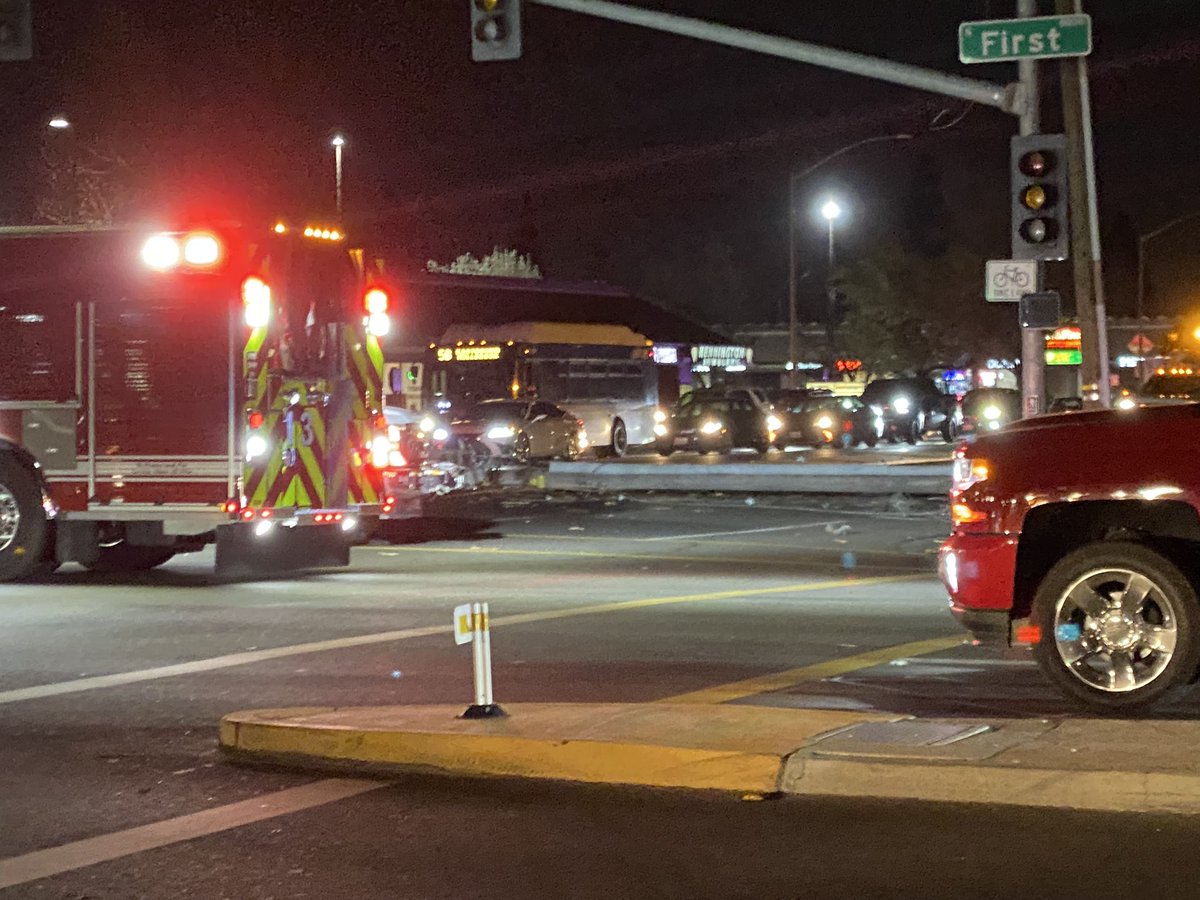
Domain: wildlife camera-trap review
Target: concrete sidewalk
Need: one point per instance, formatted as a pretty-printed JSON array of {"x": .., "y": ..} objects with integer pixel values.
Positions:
[{"x": 1096, "y": 764}]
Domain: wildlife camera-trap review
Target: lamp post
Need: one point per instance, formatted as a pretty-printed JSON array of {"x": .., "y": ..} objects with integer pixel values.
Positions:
[
  {"x": 1144, "y": 239},
  {"x": 831, "y": 211},
  {"x": 793, "y": 178},
  {"x": 338, "y": 142},
  {"x": 61, "y": 123}
]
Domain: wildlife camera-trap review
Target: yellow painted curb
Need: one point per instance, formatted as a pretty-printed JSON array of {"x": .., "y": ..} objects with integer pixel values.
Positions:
[{"x": 493, "y": 748}]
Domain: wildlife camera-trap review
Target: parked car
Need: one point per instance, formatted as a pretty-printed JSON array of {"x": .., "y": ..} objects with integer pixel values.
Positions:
[
  {"x": 708, "y": 422},
  {"x": 913, "y": 408},
  {"x": 1066, "y": 404},
  {"x": 1080, "y": 535},
  {"x": 521, "y": 429},
  {"x": 828, "y": 421},
  {"x": 989, "y": 409}
]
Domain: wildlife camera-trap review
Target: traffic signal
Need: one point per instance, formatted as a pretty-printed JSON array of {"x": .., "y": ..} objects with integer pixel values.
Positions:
[
  {"x": 1040, "y": 229},
  {"x": 16, "y": 30},
  {"x": 495, "y": 30}
]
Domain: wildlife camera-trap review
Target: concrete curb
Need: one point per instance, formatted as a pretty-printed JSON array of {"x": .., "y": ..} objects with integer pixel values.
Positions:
[
  {"x": 747, "y": 749},
  {"x": 921, "y": 479}
]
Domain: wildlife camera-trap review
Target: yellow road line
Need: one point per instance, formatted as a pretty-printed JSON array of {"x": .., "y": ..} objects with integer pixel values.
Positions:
[{"x": 777, "y": 681}]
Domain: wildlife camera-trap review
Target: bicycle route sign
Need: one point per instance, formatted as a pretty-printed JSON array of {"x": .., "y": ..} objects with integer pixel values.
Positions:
[{"x": 1008, "y": 280}]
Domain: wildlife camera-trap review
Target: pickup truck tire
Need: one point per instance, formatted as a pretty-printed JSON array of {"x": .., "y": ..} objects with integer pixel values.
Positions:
[
  {"x": 1119, "y": 626},
  {"x": 912, "y": 434},
  {"x": 124, "y": 557},
  {"x": 26, "y": 534}
]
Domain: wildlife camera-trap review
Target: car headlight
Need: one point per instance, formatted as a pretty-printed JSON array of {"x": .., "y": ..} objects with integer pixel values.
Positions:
[
  {"x": 660, "y": 415},
  {"x": 1126, "y": 403},
  {"x": 712, "y": 426},
  {"x": 440, "y": 434},
  {"x": 501, "y": 432},
  {"x": 901, "y": 405},
  {"x": 774, "y": 423},
  {"x": 660, "y": 429},
  {"x": 825, "y": 422},
  {"x": 991, "y": 413},
  {"x": 427, "y": 424}
]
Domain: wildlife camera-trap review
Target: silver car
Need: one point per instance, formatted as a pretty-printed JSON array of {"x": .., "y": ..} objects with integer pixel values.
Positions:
[{"x": 521, "y": 429}]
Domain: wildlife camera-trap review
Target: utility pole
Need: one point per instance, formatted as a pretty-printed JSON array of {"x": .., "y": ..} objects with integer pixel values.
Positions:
[
  {"x": 1085, "y": 234},
  {"x": 1033, "y": 346}
]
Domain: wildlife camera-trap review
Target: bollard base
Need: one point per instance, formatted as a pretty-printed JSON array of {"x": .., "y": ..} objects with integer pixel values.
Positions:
[{"x": 483, "y": 711}]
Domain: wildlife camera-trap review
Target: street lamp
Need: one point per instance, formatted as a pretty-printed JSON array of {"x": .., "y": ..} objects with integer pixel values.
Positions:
[
  {"x": 793, "y": 178},
  {"x": 59, "y": 123},
  {"x": 338, "y": 142}
]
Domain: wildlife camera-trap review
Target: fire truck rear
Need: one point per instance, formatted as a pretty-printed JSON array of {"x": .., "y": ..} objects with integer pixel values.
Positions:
[{"x": 161, "y": 391}]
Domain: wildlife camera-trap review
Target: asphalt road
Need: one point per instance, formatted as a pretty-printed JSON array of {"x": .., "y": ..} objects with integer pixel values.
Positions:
[{"x": 110, "y": 691}]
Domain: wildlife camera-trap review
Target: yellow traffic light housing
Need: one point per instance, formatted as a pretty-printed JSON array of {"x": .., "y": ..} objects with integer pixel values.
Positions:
[{"x": 1039, "y": 191}]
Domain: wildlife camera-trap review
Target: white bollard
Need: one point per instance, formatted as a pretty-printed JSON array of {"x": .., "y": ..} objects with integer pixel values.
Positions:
[{"x": 485, "y": 705}]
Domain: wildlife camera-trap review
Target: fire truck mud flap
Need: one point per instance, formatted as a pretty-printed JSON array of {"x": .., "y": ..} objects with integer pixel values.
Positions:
[{"x": 250, "y": 550}]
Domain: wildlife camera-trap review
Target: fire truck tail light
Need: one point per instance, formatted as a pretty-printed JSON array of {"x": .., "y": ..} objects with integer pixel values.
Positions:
[
  {"x": 247, "y": 514},
  {"x": 378, "y": 324},
  {"x": 161, "y": 252},
  {"x": 255, "y": 419},
  {"x": 201, "y": 250},
  {"x": 381, "y": 447},
  {"x": 256, "y": 298},
  {"x": 376, "y": 301}
]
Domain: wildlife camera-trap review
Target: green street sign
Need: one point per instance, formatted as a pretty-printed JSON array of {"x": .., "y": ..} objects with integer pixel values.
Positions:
[{"x": 1038, "y": 38}]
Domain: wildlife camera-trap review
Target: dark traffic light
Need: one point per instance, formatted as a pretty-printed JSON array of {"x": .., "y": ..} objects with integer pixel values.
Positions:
[
  {"x": 1040, "y": 229},
  {"x": 495, "y": 30},
  {"x": 16, "y": 30}
]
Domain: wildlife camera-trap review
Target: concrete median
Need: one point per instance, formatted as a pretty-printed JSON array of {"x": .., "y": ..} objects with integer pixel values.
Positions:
[
  {"x": 1095, "y": 764},
  {"x": 917, "y": 479}
]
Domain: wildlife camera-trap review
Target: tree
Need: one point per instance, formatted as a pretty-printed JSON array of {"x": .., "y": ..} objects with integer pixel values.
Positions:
[
  {"x": 497, "y": 264},
  {"x": 86, "y": 185},
  {"x": 907, "y": 313}
]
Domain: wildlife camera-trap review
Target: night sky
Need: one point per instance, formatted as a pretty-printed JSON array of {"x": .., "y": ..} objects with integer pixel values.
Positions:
[{"x": 607, "y": 152}]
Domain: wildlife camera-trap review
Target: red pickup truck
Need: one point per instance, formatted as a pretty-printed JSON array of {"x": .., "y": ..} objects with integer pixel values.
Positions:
[{"x": 1079, "y": 534}]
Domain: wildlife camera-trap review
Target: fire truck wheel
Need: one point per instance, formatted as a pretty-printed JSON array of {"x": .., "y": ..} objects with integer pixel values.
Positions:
[
  {"x": 26, "y": 536},
  {"x": 129, "y": 558}
]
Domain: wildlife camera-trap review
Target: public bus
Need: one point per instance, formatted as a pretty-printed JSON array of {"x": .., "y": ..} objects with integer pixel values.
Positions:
[{"x": 606, "y": 375}]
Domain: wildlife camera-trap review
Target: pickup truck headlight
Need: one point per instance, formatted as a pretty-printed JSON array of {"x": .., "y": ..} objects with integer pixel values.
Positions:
[
  {"x": 774, "y": 423},
  {"x": 967, "y": 472},
  {"x": 901, "y": 405}
]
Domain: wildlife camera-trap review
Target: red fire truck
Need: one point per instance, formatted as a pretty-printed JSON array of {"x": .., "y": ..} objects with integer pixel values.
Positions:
[{"x": 205, "y": 383}]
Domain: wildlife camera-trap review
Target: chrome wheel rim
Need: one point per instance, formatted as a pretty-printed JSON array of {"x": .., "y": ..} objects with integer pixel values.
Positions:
[
  {"x": 1115, "y": 630},
  {"x": 10, "y": 517}
]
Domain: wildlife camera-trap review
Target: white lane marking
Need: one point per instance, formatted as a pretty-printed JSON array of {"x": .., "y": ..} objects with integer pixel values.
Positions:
[
  {"x": 708, "y": 534},
  {"x": 117, "y": 679},
  {"x": 90, "y": 851},
  {"x": 39, "y": 691}
]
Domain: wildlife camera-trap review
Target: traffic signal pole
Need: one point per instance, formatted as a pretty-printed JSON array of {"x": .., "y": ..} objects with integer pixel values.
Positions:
[
  {"x": 1033, "y": 346},
  {"x": 1085, "y": 245}
]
